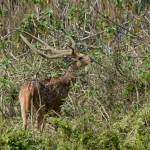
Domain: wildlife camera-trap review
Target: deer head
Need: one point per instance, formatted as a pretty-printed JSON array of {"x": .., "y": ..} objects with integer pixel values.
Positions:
[{"x": 48, "y": 94}]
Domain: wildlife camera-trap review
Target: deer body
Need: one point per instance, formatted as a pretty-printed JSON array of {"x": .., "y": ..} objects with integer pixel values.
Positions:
[{"x": 45, "y": 95}]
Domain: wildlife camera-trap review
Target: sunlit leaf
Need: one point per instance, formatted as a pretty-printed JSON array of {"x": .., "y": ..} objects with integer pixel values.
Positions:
[
  {"x": 1, "y": 57},
  {"x": 136, "y": 30},
  {"x": 129, "y": 7},
  {"x": 17, "y": 45}
]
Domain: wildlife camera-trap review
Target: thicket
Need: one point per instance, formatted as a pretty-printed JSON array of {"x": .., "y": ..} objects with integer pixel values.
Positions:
[{"x": 108, "y": 107}]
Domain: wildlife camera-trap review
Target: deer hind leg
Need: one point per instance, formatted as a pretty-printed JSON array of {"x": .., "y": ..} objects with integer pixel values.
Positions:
[
  {"x": 40, "y": 118},
  {"x": 23, "y": 114},
  {"x": 24, "y": 118}
]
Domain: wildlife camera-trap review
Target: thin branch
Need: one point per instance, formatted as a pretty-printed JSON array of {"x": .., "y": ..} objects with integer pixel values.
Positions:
[
  {"x": 9, "y": 34},
  {"x": 107, "y": 18}
]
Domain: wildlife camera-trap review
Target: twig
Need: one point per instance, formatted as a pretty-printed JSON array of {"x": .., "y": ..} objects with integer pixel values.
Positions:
[
  {"x": 9, "y": 34},
  {"x": 107, "y": 18}
]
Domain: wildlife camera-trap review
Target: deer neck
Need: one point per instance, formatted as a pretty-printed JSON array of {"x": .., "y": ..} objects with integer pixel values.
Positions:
[
  {"x": 69, "y": 75},
  {"x": 72, "y": 70}
]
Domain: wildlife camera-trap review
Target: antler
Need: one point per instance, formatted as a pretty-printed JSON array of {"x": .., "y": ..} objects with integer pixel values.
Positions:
[
  {"x": 58, "y": 52},
  {"x": 47, "y": 47}
]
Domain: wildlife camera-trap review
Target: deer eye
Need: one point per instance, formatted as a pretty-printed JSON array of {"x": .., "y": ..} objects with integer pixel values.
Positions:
[{"x": 80, "y": 58}]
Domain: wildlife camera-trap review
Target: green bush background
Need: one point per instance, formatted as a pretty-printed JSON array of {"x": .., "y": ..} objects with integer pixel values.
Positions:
[{"x": 108, "y": 107}]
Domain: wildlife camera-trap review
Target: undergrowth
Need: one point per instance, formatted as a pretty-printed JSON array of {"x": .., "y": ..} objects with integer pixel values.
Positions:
[
  {"x": 86, "y": 129},
  {"x": 109, "y": 106}
]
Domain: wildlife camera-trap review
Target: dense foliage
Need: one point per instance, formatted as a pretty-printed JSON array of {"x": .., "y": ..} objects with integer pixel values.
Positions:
[{"x": 108, "y": 107}]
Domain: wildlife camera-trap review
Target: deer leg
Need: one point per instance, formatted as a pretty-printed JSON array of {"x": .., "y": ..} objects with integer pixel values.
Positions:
[
  {"x": 40, "y": 119},
  {"x": 24, "y": 116}
]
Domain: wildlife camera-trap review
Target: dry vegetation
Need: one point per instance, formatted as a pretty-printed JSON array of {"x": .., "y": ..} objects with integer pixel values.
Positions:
[{"x": 108, "y": 107}]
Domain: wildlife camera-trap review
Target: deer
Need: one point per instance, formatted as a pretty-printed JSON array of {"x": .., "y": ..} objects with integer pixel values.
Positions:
[{"x": 41, "y": 96}]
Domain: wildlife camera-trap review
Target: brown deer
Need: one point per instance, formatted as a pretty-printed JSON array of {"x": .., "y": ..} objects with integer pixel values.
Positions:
[{"x": 48, "y": 94}]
